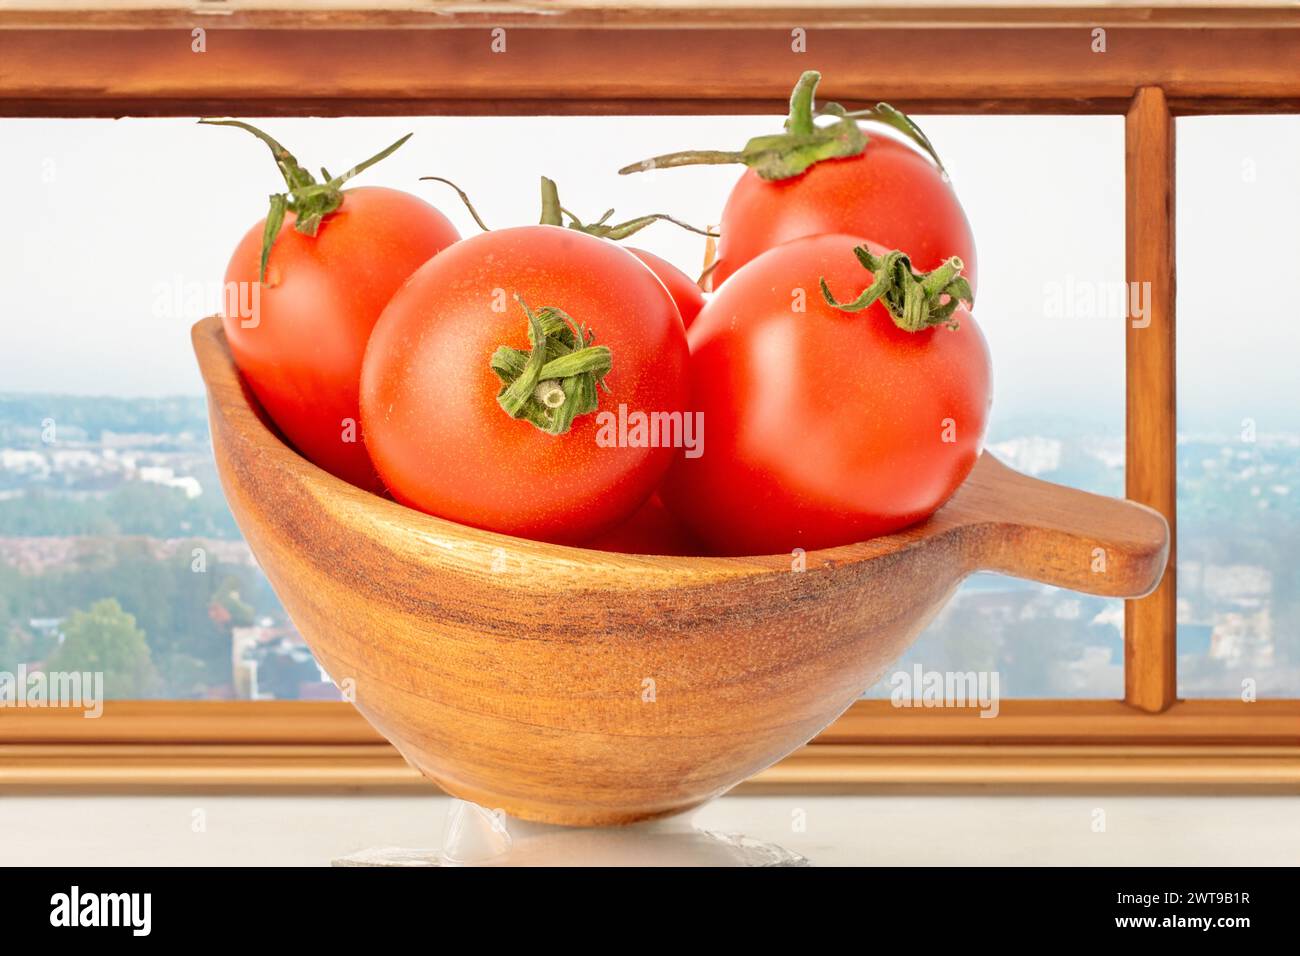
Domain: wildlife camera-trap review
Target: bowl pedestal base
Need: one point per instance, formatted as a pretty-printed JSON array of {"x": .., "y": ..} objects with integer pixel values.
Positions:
[{"x": 475, "y": 836}]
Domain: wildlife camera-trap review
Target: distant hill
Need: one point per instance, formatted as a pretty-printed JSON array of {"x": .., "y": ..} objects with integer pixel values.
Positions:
[{"x": 88, "y": 417}]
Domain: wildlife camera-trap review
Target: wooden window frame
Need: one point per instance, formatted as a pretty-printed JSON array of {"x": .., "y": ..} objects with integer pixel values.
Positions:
[{"x": 429, "y": 57}]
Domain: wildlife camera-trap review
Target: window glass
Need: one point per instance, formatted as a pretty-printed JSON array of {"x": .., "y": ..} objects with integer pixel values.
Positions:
[{"x": 1238, "y": 408}]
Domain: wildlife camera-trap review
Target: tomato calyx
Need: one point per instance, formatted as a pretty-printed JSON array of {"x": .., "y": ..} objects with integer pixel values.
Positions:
[
  {"x": 308, "y": 200},
  {"x": 553, "y": 215},
  {"x": 556, "y": 380},
  {"x": 804, "y": 143},
  {"x": 914, "y": 300}
]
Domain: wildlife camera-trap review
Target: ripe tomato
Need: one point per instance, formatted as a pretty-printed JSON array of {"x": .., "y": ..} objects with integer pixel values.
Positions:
[
  {"x": 327, "y": 267},
  {"x": 824, "y": 426},
  {"x": 889, "y": 192},
  {"x": 323, "y": 295},
  {"x": 686, "y": 294},
  {"x": 835, "y": 177},
  {"x": 321, "y": 298},
  {"x": 430, "y": 385}
]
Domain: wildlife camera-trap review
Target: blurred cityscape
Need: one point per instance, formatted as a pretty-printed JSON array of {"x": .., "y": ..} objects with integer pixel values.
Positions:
[
  {"x": 118, "y": 554},
  {"x": 1238, "y": 576}
]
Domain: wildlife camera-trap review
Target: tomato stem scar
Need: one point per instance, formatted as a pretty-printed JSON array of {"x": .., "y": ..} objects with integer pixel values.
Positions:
[{"x": 550, "y": 393}]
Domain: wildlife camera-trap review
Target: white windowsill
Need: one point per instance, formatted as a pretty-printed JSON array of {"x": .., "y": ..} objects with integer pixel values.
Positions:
[{"x": 873, "y": 831}]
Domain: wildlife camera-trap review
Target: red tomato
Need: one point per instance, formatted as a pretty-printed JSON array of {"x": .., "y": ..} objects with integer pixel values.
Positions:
[
  {"x": 826, "y": 173},
  {"x": 435, "y": 430},
  {"x": 686, "y": 294},
  {"x": 823, "y": 427},
  {"x": 301, "y": 352},
  {"x": 652, "y": 530},
  {"x": 890, "y": 192}
]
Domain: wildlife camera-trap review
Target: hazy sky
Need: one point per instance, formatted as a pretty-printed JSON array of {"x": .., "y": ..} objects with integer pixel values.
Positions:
[{"x": 118, "y": 234}]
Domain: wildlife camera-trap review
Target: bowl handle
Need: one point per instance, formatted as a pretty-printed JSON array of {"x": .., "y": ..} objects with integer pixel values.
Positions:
[{"x": 1044, "y": 532}]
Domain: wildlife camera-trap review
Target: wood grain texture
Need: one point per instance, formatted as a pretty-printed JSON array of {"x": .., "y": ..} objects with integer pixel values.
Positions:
[
  {"x": 192, "y": 722},
  {"x": 154, "y": 72},
  {"x": 267, "y": 726},
  {"x": 681, "y": 14},
  {"x": 1150, "y": 624},
  {"x": 1065, "y": 723},
  {"x": 515, "y": 674},
  {"x": 106, "y": 767},
  {"x": 818, "y": 769},
  {"x": 997, "y": 768}
]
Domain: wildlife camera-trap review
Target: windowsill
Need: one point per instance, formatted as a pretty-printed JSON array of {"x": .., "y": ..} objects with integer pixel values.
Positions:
[{"x": 860, "y": 830}]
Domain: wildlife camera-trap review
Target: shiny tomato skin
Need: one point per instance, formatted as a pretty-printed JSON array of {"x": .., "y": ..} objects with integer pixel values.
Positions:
[
  {"x": 890, "y": 192},
  {"x": 652, "y": 530},
  {"x": 321, "y": 298},
  {"x": 823, "y": 427},
  {"x": 428, "y": 394},
  {"x": 686, "y": 293}
]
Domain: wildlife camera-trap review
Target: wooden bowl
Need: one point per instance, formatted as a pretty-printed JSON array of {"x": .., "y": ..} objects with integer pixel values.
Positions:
[{"x": 580, "y": 687}]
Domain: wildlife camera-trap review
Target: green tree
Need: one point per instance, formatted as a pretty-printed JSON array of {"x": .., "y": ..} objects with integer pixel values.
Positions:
[
  {"x": 106, "y": 639},
  {"x": 13, "y": 649}
]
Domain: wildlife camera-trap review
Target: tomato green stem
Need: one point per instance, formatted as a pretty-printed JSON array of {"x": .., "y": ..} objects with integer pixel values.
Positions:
[
  {"x": 553, "y": 214},
  {"x": 889, "y": 116},
  {"x": 690, "y": 157},
  {"x": 804, "y": 143},
  {"x": 914, "y": 300},
  {"x": 555, "y": 381},
  {"x": 308, "y": 200},
  {"x": 800, "y": 120},
  {"x": 463, "y": 198}
]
